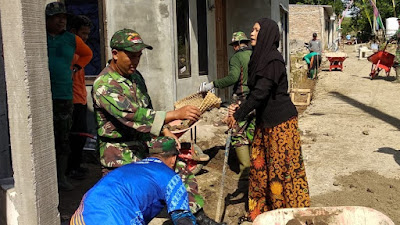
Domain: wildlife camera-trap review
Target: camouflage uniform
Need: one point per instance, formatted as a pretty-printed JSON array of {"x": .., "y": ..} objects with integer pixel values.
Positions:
[
  {"x": 396, "y": 37},
  {"x": 396, "y": 65},
  {"x": 126, "y": 119},
  {"x": 243, "y": 134}
]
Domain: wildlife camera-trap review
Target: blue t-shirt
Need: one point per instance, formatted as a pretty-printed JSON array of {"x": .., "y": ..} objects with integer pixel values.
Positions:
[{"x": 133, "y": 194}]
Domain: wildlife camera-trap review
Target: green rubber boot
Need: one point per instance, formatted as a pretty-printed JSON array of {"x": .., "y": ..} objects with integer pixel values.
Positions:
[
  {"x": 243, "y": 154},
  {"x": 312, "y": 73}
]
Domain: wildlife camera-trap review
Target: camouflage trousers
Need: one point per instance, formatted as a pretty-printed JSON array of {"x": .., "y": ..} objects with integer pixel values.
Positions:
[
  {"x": 244, "y": 133},
  {"x": 62, "y": 121},
  {"x": 196, "y": 201}
]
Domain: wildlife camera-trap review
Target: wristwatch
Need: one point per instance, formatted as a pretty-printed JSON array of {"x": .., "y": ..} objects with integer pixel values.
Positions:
[{"x": 76, "y": 68}]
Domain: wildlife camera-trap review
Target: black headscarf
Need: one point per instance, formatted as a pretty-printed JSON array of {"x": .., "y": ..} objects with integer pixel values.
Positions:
[{"x": 266, "y": 51}]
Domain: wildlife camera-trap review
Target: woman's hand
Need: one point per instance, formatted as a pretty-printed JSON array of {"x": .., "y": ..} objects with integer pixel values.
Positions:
[
  {"x": 232, "y": 109},
  {"x": 168, "y": 133},
  {"x": 231, "y": 122}
]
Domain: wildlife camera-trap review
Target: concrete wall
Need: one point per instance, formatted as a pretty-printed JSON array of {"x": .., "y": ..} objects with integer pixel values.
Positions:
[
  {"x": 304, "y": 20},
  {"x": 153, "y": 20},
  {"x": 35, "y": 194},
  {"x": 241, "y": 16}
]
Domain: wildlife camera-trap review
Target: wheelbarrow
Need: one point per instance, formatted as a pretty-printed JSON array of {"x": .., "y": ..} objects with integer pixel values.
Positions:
[
  {"x": 343, "y": 215},
  {"x": 190, "y": 152},
  {"x": 381, "y": 60},
  {"x": 336, "y": 62}
]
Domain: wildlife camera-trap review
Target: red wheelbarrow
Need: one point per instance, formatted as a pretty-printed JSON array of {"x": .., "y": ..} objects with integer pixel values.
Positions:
[
  {"x": 381, "y": 60},
  {"x": 336, "y": 62}
]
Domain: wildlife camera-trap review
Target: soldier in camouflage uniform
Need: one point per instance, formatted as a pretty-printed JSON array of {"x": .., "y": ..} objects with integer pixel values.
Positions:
[
  {"x": 237, "y": 77},
  {"x": 125, "y": 116},
  {"x": 396, "y": 37}
]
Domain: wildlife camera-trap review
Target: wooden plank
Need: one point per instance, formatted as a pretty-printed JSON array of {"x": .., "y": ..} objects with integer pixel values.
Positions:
[
  {"x": 308, "y": 100},
  {"x": 301, "y": 90}
]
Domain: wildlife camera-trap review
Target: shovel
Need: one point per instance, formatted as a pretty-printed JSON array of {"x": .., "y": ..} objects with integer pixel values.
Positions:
[{"x": 221, "y": 190}]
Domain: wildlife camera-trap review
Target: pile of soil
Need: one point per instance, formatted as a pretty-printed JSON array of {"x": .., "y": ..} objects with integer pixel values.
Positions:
[{"x": 364, "y": 188}]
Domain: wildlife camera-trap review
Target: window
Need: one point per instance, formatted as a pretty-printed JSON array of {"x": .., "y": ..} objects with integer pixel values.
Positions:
[
  {"x": 182, "y": 10},
  {"x": 202, "y": 36},
  {"x": 89, "y": 8},
  {"x": 192, "y": 37}
]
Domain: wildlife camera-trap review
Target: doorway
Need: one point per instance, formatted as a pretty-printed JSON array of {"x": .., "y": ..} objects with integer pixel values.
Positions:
[
  {"x": 221, "y": 43},
  {"x": 91, "y": 9}
]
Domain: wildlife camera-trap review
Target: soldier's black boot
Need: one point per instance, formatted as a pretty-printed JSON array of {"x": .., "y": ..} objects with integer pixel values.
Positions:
[{"x": 203, "y": 219}]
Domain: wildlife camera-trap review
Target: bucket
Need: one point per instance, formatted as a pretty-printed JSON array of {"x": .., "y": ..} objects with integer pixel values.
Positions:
[
  {"x": 343, "y": 215},
  {"x": 391, "y": 27}
]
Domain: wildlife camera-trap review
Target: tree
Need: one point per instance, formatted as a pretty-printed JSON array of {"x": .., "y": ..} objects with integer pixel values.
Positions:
[{"x": 362, "y": 10}]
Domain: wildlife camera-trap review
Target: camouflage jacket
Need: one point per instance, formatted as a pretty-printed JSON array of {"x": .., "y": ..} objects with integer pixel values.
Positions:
[
  {"x": 396, "y": 37},
  {"x": 125, "y": 118}
]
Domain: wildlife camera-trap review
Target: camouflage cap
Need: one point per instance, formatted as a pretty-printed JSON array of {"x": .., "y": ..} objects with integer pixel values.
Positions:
[
  {"x": 128, "y": 40},
  {"x": 162, "y": 144},
  {"x": 54, "y": 8},
  {"x": 239, "y": 37}
]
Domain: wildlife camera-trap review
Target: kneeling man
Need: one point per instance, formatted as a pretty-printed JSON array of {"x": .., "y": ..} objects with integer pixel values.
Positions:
[{"x": 137, "y": 192}]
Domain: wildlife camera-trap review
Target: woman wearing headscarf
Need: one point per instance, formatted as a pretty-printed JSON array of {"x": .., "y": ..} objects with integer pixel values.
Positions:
[{"x": 277, "y": 175}]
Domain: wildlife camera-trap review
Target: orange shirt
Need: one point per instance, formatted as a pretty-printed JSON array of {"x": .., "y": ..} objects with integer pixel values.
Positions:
[
  {"x": 78, "y": 85},
  {"x": 83, "y": 55}
]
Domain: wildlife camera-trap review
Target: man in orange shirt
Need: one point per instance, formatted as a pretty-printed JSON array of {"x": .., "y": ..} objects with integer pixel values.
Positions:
[{"x": 80, "y": 26}]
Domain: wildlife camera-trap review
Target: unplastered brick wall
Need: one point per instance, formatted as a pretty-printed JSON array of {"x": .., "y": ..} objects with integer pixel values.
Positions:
[{"x": 304, "y": 20}]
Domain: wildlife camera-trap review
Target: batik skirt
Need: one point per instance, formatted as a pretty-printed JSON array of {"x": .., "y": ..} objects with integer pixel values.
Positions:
[{"x": 277, "y": 175}]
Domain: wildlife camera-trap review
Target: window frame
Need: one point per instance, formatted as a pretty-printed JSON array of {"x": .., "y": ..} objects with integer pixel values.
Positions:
[{"x": 193, "y": 43}]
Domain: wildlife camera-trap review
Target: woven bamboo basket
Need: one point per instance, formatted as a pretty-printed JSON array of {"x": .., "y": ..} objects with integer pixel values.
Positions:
[{"x": 202, "y": 100}]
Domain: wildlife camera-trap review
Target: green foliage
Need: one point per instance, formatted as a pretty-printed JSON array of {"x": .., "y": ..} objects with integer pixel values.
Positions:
[
  {"x": 347, "y": 26},
  {"x": 362, "y": 9}
]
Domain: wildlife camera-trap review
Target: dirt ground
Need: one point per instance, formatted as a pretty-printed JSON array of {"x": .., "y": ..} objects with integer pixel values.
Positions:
[{"x": 350, "y": 141}]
